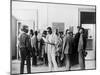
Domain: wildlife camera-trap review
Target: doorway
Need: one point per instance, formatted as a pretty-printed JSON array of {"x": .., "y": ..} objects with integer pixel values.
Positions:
[{"x": 87, "y": 20}]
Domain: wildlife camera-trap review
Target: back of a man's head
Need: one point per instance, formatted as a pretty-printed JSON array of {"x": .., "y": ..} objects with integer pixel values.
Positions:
[
  {"x": 36, "y": 33},
  {"x": 25, "y": 28},
  {"x": 49, "y": 28}
]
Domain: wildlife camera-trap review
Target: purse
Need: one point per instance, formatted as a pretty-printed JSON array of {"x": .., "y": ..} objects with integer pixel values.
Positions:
[{"x": 85, "y": 53}]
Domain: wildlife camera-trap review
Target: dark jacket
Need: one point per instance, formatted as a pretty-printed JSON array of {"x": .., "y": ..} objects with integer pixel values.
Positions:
[
  {"x": 76, "y": 41},
  {"x": 25, "y": 45}
]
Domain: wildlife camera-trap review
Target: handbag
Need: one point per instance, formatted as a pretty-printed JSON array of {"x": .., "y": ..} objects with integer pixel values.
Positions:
[{"x": 85, "y": 53}]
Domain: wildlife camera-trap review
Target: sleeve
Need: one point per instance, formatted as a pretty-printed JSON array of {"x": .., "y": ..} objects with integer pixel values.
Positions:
[
  {"x": 66, "y": 43},
  {"x": 45, "y": 40},
  {"x": 54, "y": 39},
  {"x": 84, "y": 41},
  {"x": 63, "y": 43},
  {"x": 35, "y": 43},
  {"x": 32, "y": 41},
  {"x": 19, "y": 40}
]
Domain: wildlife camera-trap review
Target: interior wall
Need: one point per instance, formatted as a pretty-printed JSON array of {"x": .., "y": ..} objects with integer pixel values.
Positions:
[
  {"x": 69, "y": 14},
  {"x": 37, "y": 11},
  {"x": 49, "y": 13},
  {"x": 13, "y": 37}
]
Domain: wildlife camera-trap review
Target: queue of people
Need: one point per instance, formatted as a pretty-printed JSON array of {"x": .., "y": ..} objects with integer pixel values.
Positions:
[{"x": 54, "y": 49}]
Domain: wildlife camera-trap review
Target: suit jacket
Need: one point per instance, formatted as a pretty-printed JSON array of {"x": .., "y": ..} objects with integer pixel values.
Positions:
[
  {"x": 76, "y": 41},
  {"x": 68, "y": 45}
]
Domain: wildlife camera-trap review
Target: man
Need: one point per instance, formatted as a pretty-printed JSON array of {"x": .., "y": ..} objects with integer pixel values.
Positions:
[
  {"x": 81, "y": 48},
  {"x": 42, "y": 47},
  {"x": 75, "y": 51},
  {"x": 31, "y": 33},
  {"x": 34, "y": 43},
  {"x": 24, "y": 44},
  {"x": 67, "y": 49},
  {"x": 51, "y": 42}
]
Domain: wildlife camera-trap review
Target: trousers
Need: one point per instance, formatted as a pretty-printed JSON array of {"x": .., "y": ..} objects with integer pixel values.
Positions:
[
  {"x": 67, "y": 61},
  {"x": 25, "y": 56},
  {"x": 34, "y": 57},
  {"x": 51, "y": 60},
  {"x": 81, "y": 60}
]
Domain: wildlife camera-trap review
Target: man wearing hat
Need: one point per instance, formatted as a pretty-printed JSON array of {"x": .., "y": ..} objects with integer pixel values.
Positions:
[{"x": 25, "y": 45}]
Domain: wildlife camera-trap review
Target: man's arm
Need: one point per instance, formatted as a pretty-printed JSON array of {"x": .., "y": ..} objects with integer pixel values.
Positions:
[
  {"x": 64, "y": 41},
  {"x": 54, "y": 40}
]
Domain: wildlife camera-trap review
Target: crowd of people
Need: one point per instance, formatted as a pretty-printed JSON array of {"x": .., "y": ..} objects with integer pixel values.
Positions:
[{"x": 54, "y": 48}]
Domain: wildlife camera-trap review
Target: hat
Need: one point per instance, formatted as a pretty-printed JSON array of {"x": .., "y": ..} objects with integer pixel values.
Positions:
[{"x": 24, "y": 28}]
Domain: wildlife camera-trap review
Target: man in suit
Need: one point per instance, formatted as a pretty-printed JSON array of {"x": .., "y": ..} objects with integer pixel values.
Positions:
[
  {"x": 75, "y": 51},
  {"x": 81, "y": 48},
  {"x": 25, "y": 48},
  {"x": 67, "y": 48}
]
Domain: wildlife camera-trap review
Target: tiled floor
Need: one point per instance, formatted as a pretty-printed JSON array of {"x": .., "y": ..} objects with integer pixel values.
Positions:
[{"x": 90, "y": 64}]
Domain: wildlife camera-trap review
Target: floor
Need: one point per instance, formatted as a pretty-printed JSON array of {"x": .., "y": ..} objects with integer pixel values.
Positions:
[{"x": 89, "y": 62}]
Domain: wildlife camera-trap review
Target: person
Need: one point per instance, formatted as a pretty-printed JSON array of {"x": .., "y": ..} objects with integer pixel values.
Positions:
[
  {"x": 58, "y": 48},
  {"x": 39, "y": 50},
  {"x": 32, "y": 51},
  {"x": 51, "y": 42},
  {"x": 75, "y": 51},
  {"x": 81, "y": 48},
  {"x": 67, "y": 49},
  {"x": 24, "y": 44},
  {"x": 31, "y": 33},
  {"x": 34, "y": 44},
  {"x": 42, "y": 47},
  {"x": 63, "y": 41}
]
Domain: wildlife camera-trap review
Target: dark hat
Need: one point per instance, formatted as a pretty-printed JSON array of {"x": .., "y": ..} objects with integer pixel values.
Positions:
[{"x": 24, "y": 28}]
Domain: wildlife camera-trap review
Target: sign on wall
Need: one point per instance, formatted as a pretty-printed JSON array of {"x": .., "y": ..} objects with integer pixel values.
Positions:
[{"x": 58, "y": 25}]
